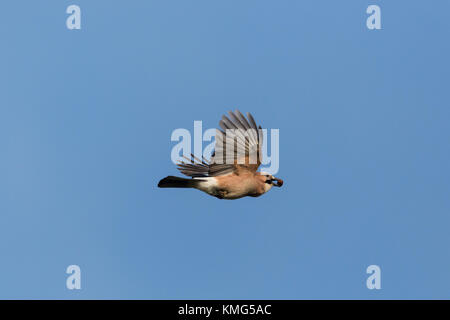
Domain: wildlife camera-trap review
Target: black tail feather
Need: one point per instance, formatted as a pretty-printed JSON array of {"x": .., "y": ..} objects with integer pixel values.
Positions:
[{"x": 177, "y": 182}]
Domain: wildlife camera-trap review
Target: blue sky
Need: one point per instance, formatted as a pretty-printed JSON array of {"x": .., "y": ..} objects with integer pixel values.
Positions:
[{"x": 86, "y": 117}]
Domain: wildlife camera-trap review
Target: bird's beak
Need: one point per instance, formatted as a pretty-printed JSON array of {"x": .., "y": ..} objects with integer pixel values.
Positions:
[{"x": 279, "y": 182}]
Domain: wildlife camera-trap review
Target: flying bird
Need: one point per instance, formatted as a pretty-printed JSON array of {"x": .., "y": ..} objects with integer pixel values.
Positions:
[{"x": 231, "y": 172}]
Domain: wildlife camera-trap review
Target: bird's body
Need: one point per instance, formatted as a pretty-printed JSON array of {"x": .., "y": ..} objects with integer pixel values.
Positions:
[
  {"x": 227, "y": 179},
  {"x": 229, "y": 186}
]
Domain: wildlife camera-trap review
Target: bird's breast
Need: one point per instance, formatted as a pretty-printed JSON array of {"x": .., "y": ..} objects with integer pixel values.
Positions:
[{"x": 233, "y": 186}]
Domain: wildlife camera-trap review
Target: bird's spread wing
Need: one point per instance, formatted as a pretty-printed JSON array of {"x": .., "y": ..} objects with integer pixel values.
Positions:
[{"x": 238, "y": 147}]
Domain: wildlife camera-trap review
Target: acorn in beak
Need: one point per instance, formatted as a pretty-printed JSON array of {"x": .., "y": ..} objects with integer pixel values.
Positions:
[{"x": 279, "y": 182}]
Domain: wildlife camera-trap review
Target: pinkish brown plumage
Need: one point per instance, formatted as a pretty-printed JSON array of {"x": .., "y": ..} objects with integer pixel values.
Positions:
[{"x": 221, "y": 177}]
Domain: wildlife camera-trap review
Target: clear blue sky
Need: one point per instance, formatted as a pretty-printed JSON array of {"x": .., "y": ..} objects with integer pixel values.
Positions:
[{"x": 85, "y": 122}]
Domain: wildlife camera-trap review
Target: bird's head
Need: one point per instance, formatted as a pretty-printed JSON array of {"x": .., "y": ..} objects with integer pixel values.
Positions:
[{"x": 270, "y": 181}]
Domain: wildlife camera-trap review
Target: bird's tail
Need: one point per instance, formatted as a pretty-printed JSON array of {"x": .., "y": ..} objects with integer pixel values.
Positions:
[{"x": 176, "y": 182}]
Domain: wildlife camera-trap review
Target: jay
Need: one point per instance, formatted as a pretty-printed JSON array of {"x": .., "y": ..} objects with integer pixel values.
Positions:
[{"x": 231, "y": 172}]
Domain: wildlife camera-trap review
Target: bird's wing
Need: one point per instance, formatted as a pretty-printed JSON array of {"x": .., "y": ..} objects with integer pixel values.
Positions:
[{"x": 237, "y": 148}]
